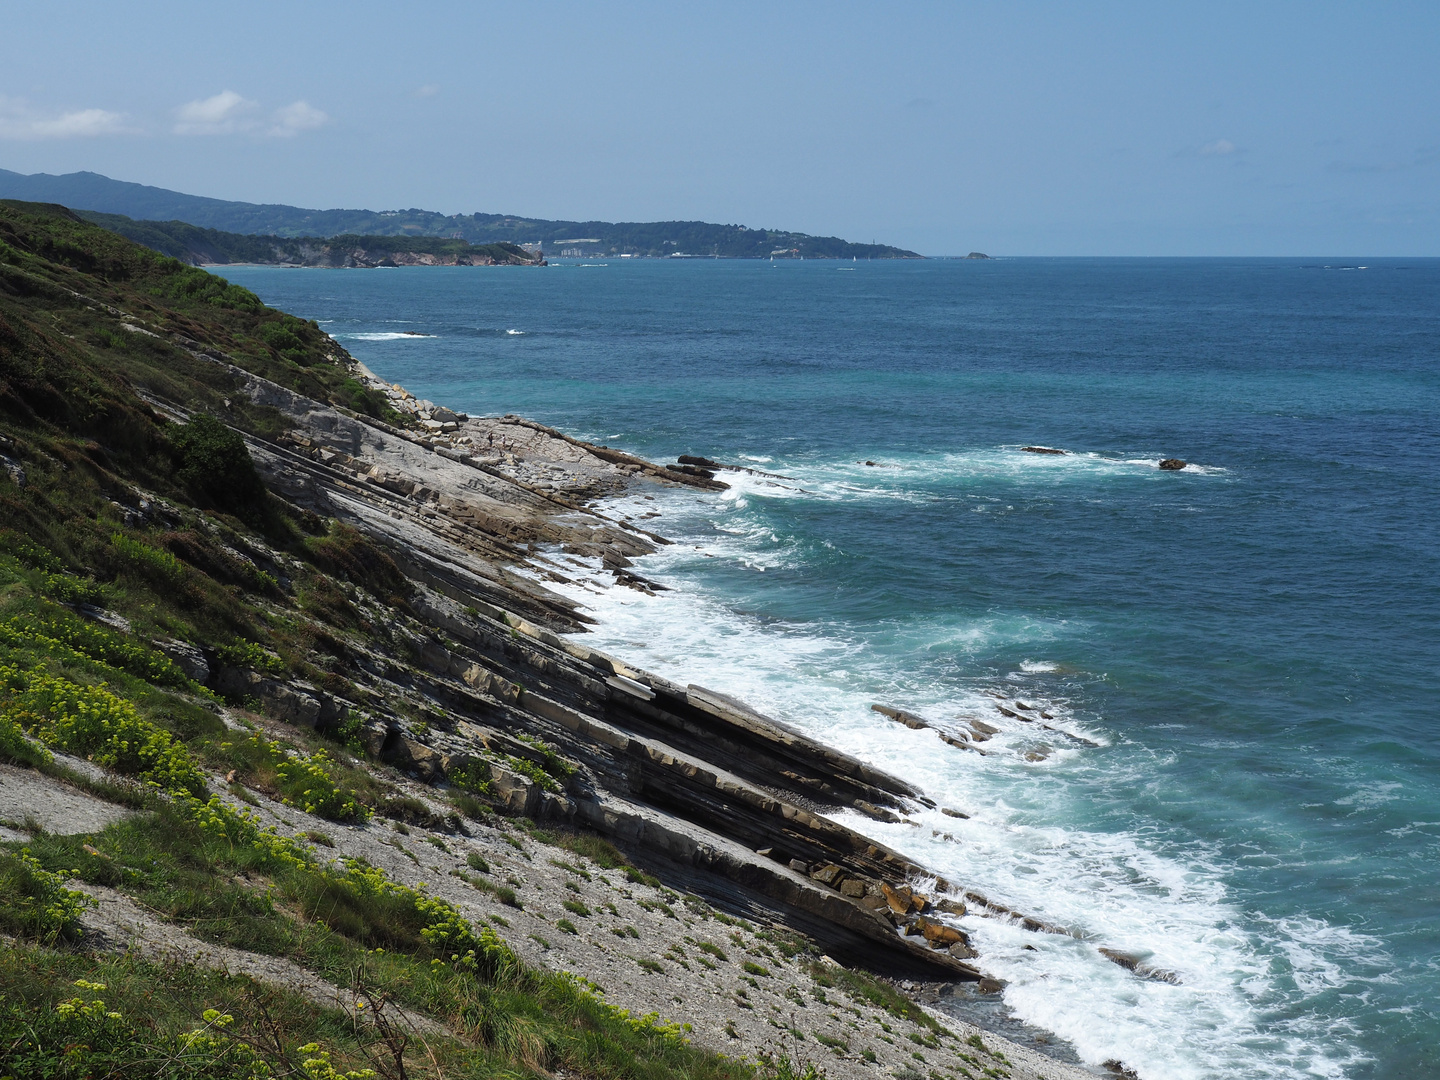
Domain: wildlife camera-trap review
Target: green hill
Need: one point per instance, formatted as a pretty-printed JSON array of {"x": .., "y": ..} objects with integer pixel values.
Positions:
[
  {"x": 93, "y": 192},
  {"x": 200, "y": 246}
]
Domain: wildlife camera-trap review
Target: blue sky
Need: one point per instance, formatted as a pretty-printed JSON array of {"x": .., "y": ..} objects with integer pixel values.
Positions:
[{"x": 1015, "y": 128}]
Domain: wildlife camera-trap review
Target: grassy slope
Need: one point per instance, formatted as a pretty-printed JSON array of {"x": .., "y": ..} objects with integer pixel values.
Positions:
[{"x": 73, "y": 420}]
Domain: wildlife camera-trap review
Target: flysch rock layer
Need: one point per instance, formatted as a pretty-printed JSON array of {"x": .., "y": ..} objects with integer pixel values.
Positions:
[{"x": 733, "y": 806}]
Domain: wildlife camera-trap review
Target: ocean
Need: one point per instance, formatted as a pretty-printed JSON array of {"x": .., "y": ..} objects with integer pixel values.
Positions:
[{"x": 1240, "y": 660}]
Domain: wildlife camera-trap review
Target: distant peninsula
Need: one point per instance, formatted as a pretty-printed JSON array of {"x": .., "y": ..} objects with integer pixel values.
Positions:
[
  {"x": 213, "y": 247},
  {"x": 88, "y": 191}
]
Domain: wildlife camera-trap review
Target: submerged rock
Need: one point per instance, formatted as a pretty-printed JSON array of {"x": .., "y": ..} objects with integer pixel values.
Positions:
[
  {"x": 1043, "y": 450},
  {"x": 1136, "y": 962}
]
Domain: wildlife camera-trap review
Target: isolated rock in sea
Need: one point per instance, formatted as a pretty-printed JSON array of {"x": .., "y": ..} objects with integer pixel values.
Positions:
[
  {"x": 704, "y": 463},
  {"x": 977, "y": 255},
  {"x": 1136, "y": 963},
  {"x": 1172, "y": 464},
  {"x": 1043, "y": 450}
]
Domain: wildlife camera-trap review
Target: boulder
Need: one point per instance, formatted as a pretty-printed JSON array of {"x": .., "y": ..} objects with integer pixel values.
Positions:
[
  {"x": 800, "y": 866},
  {"x": 962, "y": 950},
  {"x": 952, "y": 813},
  {"x": 938, "y": 934},
  {"x": 1172, "y": 464},
  {"x": 414, "y": 757},
  {"x": 830, "y": 874},
  {"x": 1043, "y": 450},
  {"x": 909, "y": 719},
  {"x": 188, "y": 658},
  {"x": 444, "y": 415},
  {"x": 1136, "y": 962},
  {"x": 898, "y": 899},
  {"x": 853, "y": 888},
  {"x": 704, "y": 463}
]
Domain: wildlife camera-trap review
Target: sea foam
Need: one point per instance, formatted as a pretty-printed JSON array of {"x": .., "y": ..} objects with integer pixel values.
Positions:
[{"x": 1238, "y": 1005}]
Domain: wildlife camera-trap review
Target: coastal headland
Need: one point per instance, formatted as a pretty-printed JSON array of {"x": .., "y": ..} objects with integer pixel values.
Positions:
[{"x": 321, "y": 606}]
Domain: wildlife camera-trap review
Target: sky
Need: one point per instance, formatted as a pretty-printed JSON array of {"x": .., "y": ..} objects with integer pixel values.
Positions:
[{"x": 1011, "y": 128}]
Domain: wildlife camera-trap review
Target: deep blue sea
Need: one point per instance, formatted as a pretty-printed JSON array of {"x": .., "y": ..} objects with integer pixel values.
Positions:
[{"x": 1253, "y": 642}]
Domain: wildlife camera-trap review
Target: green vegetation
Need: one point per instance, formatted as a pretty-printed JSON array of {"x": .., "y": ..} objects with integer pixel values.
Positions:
[
  {"x": 193, "y": 244},
  {"x": 150, "y": 519},
  {"x": 211, "y": 460},
  {"x": 263, "y": 228}
]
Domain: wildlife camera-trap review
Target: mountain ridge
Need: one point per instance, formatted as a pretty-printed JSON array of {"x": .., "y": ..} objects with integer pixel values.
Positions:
[{"x": 92, "y": 191}]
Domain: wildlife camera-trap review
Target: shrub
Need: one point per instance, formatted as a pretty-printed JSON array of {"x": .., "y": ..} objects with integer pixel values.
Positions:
[
  {"x": 306, "y": 784},
  {"x": 753, "y": 968},
  {"x": 575, "y": 907},
  {"x": 37, "y": 904},
  {"x": 566, "y": 926},
  {"x": 61, "y": 635},
  {"x": 246, "y": 654},
  {"x": 92, "y": 722},
  {"x": 159, "y": 566},
  {"x": 475, "y": 862},
  {"x": 472, "y": 775},
  {"x": 213, "y": 464}
]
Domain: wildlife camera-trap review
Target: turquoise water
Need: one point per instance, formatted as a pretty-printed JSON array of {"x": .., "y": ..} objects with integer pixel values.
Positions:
[{"x": 1251, "y": 643}]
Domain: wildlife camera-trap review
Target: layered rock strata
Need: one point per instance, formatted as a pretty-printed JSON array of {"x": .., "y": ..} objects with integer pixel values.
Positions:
[{"x": 736, "y": 802}]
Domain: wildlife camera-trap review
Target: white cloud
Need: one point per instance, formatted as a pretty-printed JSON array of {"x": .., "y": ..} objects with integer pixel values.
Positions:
[
  {"x": 428, "y": 90},
  {"x": 1218, "y": 148},
  {"x": 225, "y": 113},
  {"x": 19, "y": 121},
  {"x": 296, "y": 117}
]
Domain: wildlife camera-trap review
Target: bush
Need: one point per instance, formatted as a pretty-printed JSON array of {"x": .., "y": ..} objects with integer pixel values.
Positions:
[
  {"x": 246, "y": 654},
  {"x": 37, "y": 904},
  {"x": 92, "y": 722},
  {"x": 159, "y": 566},
  {"x": 213, "y": 464},
  {"x": 58, "y": 636},
  {"x": 306, "y": 783}
]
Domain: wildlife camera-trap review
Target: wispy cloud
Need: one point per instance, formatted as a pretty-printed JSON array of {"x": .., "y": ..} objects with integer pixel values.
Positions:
[
  {"x": 296, "y": 117},
  {"x": 428, "y": 90},
  {"x": 18, "y": 120},
  {"x": 229, "y": 113},
  {"x": 1218, "y": 148}
]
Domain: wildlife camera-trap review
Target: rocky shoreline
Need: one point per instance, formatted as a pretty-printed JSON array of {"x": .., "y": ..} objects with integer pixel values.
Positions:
[
  {"x": 715, "y": 798},
  {"x": 478, "y": 674}
]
